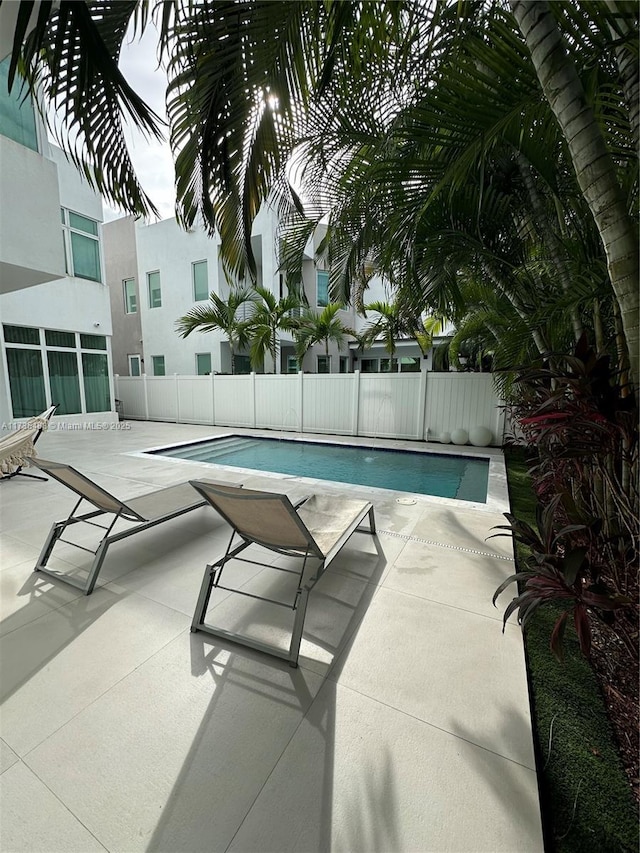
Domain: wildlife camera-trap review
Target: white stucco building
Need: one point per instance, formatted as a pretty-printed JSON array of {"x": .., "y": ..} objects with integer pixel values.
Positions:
[{"x": 54, "y": 305}]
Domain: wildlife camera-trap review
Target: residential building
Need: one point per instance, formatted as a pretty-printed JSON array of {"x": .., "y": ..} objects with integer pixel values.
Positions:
[{"x": 54, "y": 306}]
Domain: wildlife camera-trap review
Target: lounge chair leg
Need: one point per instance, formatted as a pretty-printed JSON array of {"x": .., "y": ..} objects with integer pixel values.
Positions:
[
  {"x": 372, "y": 521},
  {"x": 298, "y": 625},
  {"x": 101, "y": 553},
  {"x": 54, "y": 534}
]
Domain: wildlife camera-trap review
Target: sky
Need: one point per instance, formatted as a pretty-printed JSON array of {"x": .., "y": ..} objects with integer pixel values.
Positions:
[{"x": 152, "y": 160}]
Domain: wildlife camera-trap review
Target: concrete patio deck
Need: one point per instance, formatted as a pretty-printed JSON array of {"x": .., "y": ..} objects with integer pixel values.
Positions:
[{"x": 405, "y": 728}]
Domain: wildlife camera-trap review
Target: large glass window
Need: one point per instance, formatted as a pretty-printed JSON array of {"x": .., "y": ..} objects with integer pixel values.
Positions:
[
  {"x": 96, "y": 382},
  {"x": 153, "y": 286},
  {"x": 200, "y": 281},
  {"x": 17, "y": 119},
  {"x": 293, "y": 365},
  {"x": 344, "y": 364},
  {"x": 158, "y": 365},
  {"x": 65, "y": 383},
  {"x": 26, "y": 382},
  {"x": 203, "y": 363},
  {"x": 241, "y": 364},
  {"x": 130, "y": 296},
  {"x": 82, "y": 246},
  {"x": 322, "y": 288},
  {"x": 369, "y": 365},
  {"x": 47, "y": 366}
]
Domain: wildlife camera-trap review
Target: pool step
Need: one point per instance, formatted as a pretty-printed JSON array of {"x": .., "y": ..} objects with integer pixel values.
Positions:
[{"x": 216, "y": 450}]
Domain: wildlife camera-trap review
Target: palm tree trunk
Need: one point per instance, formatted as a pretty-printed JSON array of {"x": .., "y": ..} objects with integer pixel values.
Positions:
[
  {"x": 629, "y": 76},
  {"x": 594, "y": 166}
]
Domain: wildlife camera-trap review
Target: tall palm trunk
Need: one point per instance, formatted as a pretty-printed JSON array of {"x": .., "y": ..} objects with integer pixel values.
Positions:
[{"x": 594, "y": 166}]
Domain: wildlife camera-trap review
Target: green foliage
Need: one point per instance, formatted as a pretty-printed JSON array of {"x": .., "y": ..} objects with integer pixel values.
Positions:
[
  {"x": 314, "y": 328},
  {"x": 586, "y": 802}
]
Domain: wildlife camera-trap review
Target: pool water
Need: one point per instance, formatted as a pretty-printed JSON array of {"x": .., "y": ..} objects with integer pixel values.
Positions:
[{"x": 445, "y": 476}]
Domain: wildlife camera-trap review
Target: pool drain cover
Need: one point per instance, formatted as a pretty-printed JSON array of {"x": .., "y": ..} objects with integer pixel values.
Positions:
[{"x": 405, "y": 501}]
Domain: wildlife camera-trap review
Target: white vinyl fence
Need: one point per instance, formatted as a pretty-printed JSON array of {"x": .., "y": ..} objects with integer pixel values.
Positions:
[{"x": 405, "y": 405}]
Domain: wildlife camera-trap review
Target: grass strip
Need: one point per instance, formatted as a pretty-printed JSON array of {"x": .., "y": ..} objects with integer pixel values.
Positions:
[{"x": 586, "y": 803}]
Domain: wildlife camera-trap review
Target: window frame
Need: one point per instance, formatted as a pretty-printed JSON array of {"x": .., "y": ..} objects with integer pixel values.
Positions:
[
  {"x": 154, "y": 359},
  {"x": 321, "y": 272},
  {"x": 127, "y": 296},
  {"x": 67, "y": 240},
  {"x": 130, "y": 359},
  {"x": 199, "y": 355},
  {"x": 195, "y": 264},
  {"x": 148, "y": 275}
]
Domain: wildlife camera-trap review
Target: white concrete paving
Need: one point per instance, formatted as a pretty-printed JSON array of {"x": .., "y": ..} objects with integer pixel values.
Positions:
[{"x": 405, "y": 728}]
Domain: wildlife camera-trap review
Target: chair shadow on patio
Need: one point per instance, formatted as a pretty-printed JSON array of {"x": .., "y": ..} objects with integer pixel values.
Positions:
[{"x": 213, "y": 785}]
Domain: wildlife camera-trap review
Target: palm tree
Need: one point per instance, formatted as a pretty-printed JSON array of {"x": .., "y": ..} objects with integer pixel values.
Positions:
[
  {"x": 220, "y": 315},
  {"x": 317, "y": 328},
  {"x": 269, "y": 316},
  {"x": 249, "y": 84}
]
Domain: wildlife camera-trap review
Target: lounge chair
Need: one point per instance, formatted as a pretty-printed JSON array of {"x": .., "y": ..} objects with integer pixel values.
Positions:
[
  {"x": 142, "y": 512},
  {"x": 317, "y": 528},
  {"x": 17, "y": 447}
]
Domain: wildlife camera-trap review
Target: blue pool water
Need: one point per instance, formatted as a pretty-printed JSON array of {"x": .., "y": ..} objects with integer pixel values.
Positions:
[{"x": 442, "y": 475}]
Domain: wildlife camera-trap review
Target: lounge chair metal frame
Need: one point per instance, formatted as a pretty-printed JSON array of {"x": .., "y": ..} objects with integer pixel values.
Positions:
[
  {"x": 176, "y": 499},
  {"x": 214, "y": 571},
  {"x": 38, "y": 425}
]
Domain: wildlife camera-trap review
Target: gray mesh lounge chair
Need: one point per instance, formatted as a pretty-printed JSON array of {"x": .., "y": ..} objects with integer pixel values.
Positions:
[
  {"x": 143, "y": 512},
  {"x": 318, "y": 528},
  {"x": 17, "y": 447}
]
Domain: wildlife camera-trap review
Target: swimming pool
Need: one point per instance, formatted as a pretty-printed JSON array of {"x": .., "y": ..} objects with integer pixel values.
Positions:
[{"x": 460, "y": 477}]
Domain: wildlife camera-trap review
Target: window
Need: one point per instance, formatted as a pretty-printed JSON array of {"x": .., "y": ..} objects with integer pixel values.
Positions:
[
  {"x": 95, "y": 369},
  {"x": 324, "y": 363},
  {"x": 17, "y": 119},
  {"x": 130, "y": 296},
  {"x": 241, "y": 364},
  {"x": 200, "y": 278},
  {"x": 158, "y": 365},
  {"x": 410, "y": 364},
  {"x": 26, "y": 382},
  {"x": 82, "y": 245},
  {"x": 203, "y": 363},
  {"x": 93, "y": 342},
  {"x": 344, "y": 364},
  {"x": 48, "y": 366},
  {"x": 292, "y": 364},
  {"x": 65, "y": 382},
  {"x": 369, "y": 365},
  {"x": 322, "y": 288},
  {"x": 388, "y": 365},
  {"x": 153, "y": 286},
  {"x": 134, "y": 365}
]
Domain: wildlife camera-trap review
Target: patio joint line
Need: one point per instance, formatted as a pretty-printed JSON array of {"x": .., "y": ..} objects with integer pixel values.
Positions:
[{"x": 410, "y": 538}]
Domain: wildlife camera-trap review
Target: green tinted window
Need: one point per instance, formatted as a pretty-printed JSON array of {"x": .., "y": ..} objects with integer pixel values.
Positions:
[
  {"x": 89, "y": 226},
  {"x": 17, "y": 119},
  {"x": 26, "y": 381},
  {"x": 65, "y": 385},
  {"x": 93, "y": 342},
  {"x": 322, "y": 282},
  {"x": 86, "y": 256},
  {"x": 96, "y": 382},
  {"x": 21, "y": 335},
  {"x": 60, "y": 339},
  {"x": 155, "y": 294},
  {"x": 203, "y": 363},
  {"x": 200, "y": 281},
  {"x": 158, "y": 365}
]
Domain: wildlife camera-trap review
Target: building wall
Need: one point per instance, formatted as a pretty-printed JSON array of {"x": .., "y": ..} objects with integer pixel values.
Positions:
[
  {"x": 37, "y": 292},
  {"x": 121, "y": 263}
]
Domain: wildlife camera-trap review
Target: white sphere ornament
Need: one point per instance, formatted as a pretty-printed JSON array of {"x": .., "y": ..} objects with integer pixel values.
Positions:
[
  {"x": 480, "y": 436},
  {"x": 445, "y": 437},
  {"x": 459, "y": 436}
]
